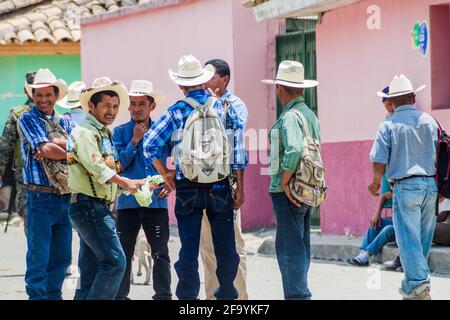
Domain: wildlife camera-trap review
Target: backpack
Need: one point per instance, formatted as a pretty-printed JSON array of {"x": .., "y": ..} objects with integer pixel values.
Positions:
[
  {"x": 308, "y": 183},
  {"x": 17, "y": 112},
  {"x": 443, "y": 163},
  {"x": 204, "y": 154},
  {"x": 56, "y": 170}
]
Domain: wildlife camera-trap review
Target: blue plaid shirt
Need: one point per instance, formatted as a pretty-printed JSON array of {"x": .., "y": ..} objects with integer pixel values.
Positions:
[
  {"x": 236, "y": 121},
  {"x": 168, "y": 131},
  {"x": 33, "y": 130}
]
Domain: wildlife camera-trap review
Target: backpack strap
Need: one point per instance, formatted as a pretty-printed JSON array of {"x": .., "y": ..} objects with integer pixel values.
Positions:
[
  {"x": 303, "y": 121},
  {"x": 197, "y": 105}
]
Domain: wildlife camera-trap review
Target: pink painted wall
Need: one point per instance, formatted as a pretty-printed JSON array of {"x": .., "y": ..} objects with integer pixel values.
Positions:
[
  {"x": 145, "y": 44},
  {"x": 353, "y": 64}
]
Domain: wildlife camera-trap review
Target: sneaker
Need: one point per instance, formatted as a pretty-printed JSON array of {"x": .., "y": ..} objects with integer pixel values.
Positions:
[
  {"x": 356, "y": 262},
  {"x": 421, "y": 292},
  {"x": 393, "y": 265}
]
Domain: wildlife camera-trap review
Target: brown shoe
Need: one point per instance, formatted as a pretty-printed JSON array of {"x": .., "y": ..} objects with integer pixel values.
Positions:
[{"x": 421, "y": 292}]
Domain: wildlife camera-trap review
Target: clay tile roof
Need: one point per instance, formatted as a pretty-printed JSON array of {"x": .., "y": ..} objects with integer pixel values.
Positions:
[{"x": 54, "y": 21}]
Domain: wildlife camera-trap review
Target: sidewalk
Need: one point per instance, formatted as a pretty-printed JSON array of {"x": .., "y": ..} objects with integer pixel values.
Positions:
[{"x": 341, "y": 248}]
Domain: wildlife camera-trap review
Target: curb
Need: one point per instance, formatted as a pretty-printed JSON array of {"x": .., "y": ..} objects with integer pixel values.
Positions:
[{"x": 439, "y": 260}]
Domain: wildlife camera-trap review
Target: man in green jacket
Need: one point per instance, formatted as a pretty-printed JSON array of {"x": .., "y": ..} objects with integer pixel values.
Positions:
[
  {"x": 292, "y": 240},
  {"x": 10, "y": 150}
]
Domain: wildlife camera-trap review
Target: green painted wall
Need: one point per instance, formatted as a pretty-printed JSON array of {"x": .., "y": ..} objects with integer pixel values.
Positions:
[{"x": 12, "y": 75}]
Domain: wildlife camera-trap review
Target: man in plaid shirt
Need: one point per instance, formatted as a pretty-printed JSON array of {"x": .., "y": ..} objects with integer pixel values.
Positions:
[{"x": 192, "y": 197}]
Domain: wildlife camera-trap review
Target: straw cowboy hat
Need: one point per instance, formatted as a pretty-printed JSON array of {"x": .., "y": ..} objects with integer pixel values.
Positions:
[
  {"x": 292, "y": 74},
  {"x": 141, "y": 88},
  {"x": 72, "y": 99},
  {"x": 105, "y": 84},
  {"x": 400, "y": 86},
  {"x": 191, "y": 73},
  {"x": 45, "y": 78}
]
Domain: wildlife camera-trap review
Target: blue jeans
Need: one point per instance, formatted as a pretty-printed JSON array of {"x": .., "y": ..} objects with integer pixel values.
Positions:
[
  {"x": 292, "y": 244},
  {"x": 376, "y": 238},
  {"x": 49, "y": 243},
  {"x": 101, "y": 259},
  {"x": 414, "y": 204},
  {"x": 191, "y": 200}
]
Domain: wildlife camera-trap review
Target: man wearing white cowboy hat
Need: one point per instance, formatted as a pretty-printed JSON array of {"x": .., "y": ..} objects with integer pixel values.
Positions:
[
  {"x": 49, "y": 231},
  {"x": 405, "y": 147},
  {"x": 193, "y": 197},
  {"x": 72, "y": 102},
  {"x": 131, "y": 215},
  {"x": 94, "y": 179},
  {"x": 293, "y": 218}
]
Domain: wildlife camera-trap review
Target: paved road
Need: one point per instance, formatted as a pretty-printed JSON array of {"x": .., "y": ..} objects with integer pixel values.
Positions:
[{"x": 327, "y": 280}]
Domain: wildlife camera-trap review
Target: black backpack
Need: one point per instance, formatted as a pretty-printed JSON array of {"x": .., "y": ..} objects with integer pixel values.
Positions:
[{"x": 443, "y": 164}]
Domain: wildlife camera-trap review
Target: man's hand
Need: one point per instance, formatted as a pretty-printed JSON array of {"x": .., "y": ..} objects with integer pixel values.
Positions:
[
  {"x": 286, "y": 177},
  {"x": 169, "y": 178},
  {"x": 165, "y": 192},
  {"x": 132, "y": 186},
  {"x": 375, "y": 221},
  {"x": 238, "y": 200},
  {"x": 374, "y": 188},
  {"x": 38, "y": 156},
  {"x": 215, "y": 94},
  {"x": 289, "y": 195},
  {"x": 138, "y": 133},
  {"x": 60, "y": 142}
]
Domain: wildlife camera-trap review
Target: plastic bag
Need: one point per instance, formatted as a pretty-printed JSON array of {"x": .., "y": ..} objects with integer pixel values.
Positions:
[{"x": 144, "y": 194}]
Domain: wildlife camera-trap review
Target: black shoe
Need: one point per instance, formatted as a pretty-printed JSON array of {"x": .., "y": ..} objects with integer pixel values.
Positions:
[
  {"x": 356, "y": 262},
  {"x": 393, "y": 265}
]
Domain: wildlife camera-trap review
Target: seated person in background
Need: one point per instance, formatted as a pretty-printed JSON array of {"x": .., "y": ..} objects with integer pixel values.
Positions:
[
  {"x": 381, "y": 230},
  {"x": 442, "y": 231}
]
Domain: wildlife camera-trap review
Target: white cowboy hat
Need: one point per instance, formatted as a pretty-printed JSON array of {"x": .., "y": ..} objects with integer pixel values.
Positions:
[
  {"x": 141, "y": 88},
  {"x": 191, "y": 73},
  {"x": 292, "y": 74},
  {"x": 45, "y": 78},
  {"x": 105, "y": 84},
  {"x": 400, "y": 86},
  {"x": 72, "y": 99}
]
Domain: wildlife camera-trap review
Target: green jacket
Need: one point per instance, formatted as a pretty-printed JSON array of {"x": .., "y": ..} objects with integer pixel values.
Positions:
[
  {"x": 91, "y": 153},
  {"x": 10, "y": 141}
]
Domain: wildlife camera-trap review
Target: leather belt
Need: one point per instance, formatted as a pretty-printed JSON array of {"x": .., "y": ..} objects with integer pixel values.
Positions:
[
  {"x": 38, "y": 188},
  {"x": 410, "y": 177},
  {"x": 74, "y": 198}
]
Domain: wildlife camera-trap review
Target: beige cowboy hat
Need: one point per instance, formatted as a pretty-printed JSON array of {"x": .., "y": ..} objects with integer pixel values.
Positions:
[
  {"x": 45, "y": 78},
  {"x": 191, "y": 73},
  {"x": 292, "y": 74},
  {"x": 400, "y": 86},
  {"x": 105, "y": 84},
  {"x": 141, "y": 88},
  {"x": 72, "y": 99}
]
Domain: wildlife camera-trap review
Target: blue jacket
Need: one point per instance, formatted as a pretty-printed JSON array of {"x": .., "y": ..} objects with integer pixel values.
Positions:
[{"x": 132, "y": 159}]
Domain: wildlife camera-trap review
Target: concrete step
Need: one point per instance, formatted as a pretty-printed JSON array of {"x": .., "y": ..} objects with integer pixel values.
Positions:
[{"x": 341, "y": 248}]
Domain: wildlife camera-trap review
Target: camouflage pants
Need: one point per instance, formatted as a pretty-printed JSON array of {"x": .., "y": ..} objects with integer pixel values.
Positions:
[{"x": 21, "y": 200}]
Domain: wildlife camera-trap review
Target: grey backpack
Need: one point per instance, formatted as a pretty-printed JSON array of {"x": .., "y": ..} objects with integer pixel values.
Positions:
[{"x": 204, "y": 151}]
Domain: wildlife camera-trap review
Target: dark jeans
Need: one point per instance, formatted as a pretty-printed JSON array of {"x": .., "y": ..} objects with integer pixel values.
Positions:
[
  {"x": 101, "y": 259},
  {"x": 155, "y": 222},
  {"x": 292, "y": 245},
  {"x": 49, "y": 244},
  {"x": 191, "y": 199}
]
